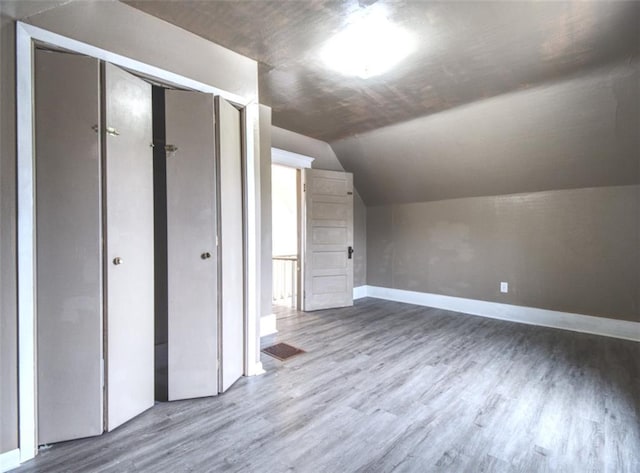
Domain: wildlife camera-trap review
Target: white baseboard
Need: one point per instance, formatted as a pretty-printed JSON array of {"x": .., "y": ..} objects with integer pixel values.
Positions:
[
  {"x": 9, "y": 460},
  {"x": 527, "y": 315},
  {"x": 268, "y": 325},
  {"x": 359, "y": 292},
  {"x": 256, "y": 369}
]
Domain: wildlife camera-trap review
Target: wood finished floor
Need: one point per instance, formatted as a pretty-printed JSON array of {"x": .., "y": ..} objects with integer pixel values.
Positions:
[{"x": 388, "y": 387}]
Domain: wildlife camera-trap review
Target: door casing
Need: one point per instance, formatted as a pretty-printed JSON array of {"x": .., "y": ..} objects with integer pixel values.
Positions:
[{"x": 299, "y": 162}]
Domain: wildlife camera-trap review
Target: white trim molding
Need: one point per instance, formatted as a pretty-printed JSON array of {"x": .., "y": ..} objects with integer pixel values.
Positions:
[
  {"x": 26, "y": 243},
  {"x": 623, "y": 329},
  {"x": 288, "y": 158},
  {"x": 359, "y": 292},
  {"x": 257, "y": 369},
  {"x": 253, "y": 365},
  {"x": 268, "y": 325},
  {"x": 9, "y": 460}
]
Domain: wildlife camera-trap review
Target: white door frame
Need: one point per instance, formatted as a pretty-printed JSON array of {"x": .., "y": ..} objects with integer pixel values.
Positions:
[
  {"x": 297, "y": 161},
  {"x": 25, "y": 36}
]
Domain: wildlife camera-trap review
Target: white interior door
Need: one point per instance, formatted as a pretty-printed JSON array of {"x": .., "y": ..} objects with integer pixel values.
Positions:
[
  {"x": 229, "y": 147},
  {"x": 129, "y": 245},
  {"x": 69, "y": 257},
  {"x": 192, "y": 258},
  {"x": 327, "y": 240}
]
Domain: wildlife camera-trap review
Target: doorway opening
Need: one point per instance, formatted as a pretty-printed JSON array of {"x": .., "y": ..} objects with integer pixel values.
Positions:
[{"x": 285, "y": 184}]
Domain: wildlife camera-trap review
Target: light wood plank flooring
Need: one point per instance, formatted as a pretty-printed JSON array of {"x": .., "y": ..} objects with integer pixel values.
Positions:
[{"x": 388, "y": 387}]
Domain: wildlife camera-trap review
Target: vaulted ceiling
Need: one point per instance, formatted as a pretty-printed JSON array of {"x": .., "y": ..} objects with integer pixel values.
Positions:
[
  {"x": 498, "y": 98},
  {"x": 466, "y": 51}
]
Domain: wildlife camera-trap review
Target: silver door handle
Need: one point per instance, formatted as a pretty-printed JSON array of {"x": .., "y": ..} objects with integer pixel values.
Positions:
[
  {"x": 205, "y": 255},
  {"x": 117, "y": 260}
]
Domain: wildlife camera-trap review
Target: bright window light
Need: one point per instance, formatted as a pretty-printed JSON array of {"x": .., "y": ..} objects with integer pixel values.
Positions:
[{"x": 367, "y": 47}]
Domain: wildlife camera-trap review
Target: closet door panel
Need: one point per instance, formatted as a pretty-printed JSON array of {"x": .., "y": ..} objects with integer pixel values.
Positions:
[
  {"x": 229, "y": 142},
  {"x": 192, "y": 260},
  {"x": 129, "y": 245},
  {"x": 68, "y": 255}
]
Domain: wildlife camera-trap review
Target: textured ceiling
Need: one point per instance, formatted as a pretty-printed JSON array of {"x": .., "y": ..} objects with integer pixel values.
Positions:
[{"x": 467, "y": 51}]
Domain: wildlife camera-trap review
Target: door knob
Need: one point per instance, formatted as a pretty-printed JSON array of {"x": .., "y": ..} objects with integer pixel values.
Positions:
[
  {"x": 117, "y": 260},
  {"x": 350, "y": 251},
  {"x": 205, "y": 255}
]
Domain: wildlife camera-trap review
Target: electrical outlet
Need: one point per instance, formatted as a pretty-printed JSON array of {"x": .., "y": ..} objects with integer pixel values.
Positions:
[{"x": 504, "y": 287}]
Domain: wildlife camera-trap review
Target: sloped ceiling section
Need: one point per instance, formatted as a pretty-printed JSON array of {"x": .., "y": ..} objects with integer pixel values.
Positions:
[{"x": 583, "y": 131}]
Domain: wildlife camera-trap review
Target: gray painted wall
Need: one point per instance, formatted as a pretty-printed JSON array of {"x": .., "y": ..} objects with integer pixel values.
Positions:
[
  {"x": 327, "y": 160},
  {"x": 359, "y": 241},
  {"x": 568, "y": 250},
  {"x": 265, "y": 211},
  {"x": 118, "y": 28}
]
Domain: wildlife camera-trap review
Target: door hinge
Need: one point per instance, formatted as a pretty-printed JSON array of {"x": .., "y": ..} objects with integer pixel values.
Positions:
[
  {"x": 304, "y": 188},
  {"x": 102, "y": 373},
  {"x": 217, "y": 241}
]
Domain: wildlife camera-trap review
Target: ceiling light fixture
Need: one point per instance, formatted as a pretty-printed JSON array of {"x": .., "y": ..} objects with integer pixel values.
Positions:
[{"x": 368, "y": 47}]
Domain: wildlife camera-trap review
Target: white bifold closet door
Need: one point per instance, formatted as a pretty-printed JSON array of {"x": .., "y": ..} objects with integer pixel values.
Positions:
[
  {"x": 69, "y": 247},
  {"x": 94, "y": 238},
  {"x": 129, "y": 241},
  {"x": 192, "y": 257},
  {"x": 328, "y": 239},
  {"x": 229, "y": 147}
]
